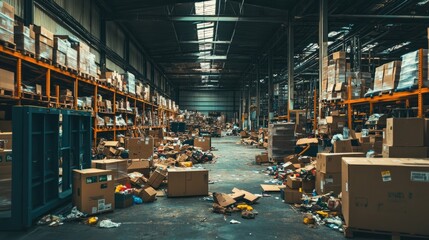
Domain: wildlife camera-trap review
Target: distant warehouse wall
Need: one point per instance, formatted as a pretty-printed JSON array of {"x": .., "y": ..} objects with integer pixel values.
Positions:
[{"x": 205, "y": 101}]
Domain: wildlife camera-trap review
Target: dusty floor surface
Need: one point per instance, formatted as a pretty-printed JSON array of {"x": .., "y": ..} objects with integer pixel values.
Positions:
[{"x": 192, "y": 218}]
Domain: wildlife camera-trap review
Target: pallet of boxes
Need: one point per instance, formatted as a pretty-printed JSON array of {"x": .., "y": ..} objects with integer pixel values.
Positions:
[
  {"x": 281, "y": 141},
  {"x": 5, "y": 171}
]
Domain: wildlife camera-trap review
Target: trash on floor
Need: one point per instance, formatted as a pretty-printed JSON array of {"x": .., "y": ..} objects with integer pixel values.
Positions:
[{"x": 108, "y": 224}]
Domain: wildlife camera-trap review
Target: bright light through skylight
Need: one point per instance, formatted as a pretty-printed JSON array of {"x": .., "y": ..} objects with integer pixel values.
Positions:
[
  {"x": 396, "y": 47},
  {"x": 205, "y": 32}
]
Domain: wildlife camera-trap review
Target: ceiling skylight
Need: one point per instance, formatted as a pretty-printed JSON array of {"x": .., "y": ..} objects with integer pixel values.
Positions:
[{"x": 205, "y": 33}]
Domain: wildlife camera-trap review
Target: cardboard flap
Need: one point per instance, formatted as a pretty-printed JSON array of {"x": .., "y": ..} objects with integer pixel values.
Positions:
[
  {"x": 270, "y": 188},
  {"x": 223, "y": 199}
]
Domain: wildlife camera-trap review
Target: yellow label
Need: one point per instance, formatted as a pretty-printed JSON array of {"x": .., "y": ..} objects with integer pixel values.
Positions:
[{"x": 385, "y": 175}]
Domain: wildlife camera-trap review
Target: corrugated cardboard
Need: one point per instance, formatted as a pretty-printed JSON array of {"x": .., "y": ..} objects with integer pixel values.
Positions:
[
  {"x": 223, "y": 200},
  {"x": 326, "y": 183},
  {"x": 292, "y": 196},
  {"x": 293, "y": 183},
  {"x": 147, "y": 194},
  {"x": 404, "y": 132},
  {"x": 140, "y": 165},
  {"x": 386, "y": 194},
  {"x": 156, "y": 179},
  {"x": 404, "y": 152},
  {"x": 184, "y": 182},
  {"x": 331, "y": 162},
  {"x": 270, "y": 188},
  {"x": 7, "y": 80},
  {"x": 262, "y": 158},
  {"x": 118, "y": 167},
  {"x": 247, "y": 195},
  {"x": 343, "y": 146},
  {"x": 203, "y": 142},
  {"x": 93, "y": 190},
  {"x": 308, "y": 185},
  {"x": 140, "y": 148},
  {"x": 7, "y": 138}
]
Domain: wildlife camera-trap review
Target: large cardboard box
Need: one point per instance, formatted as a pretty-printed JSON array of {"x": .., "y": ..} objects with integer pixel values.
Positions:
[
  {"x": 293, "y": 183},
  {"x": 203, "y": 142},
  {"x": 326, "y": 183},
  {"x": 184, "y": 182},
  {"x": 156, "y": 179},
  {"x": 331, "y": 162},
  {"x": 140, "y": 165},
  {"x": 261, "y": 158},
  {"x": 386, "y": 194},
  {"x": 405, "y": 132},
  {"x": 343, "y": 146},
  {"x": 7, "y": 80},
  {"x": 6, "y": 137},
  {"x": 140, "y": 148},
  {"x": 404, "y": 152},
  {"x": 93, "y": 190},
  {"x": 292, "y": 195},
  {"x": 118, "y": 167},
  {"x": 147, "y": 194}
]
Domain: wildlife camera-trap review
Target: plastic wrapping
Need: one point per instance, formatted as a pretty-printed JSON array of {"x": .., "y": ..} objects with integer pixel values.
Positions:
[
  {"x": 24, "y": 39},
  {"x": 130, "y": 81},
  {"x": 44, "y": 51},
  {"x": 71, "y": 59},
  {"x": 60, "y": 58},
  {"x": 6, "y": 27},
  {"x": 410, "y": 70}
]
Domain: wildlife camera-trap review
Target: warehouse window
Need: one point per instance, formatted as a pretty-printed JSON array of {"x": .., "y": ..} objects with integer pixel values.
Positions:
[{"x": 205, "y": 32}]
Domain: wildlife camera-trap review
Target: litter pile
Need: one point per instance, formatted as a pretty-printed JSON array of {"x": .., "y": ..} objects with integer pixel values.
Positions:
[{"x": 237, "y": 201}]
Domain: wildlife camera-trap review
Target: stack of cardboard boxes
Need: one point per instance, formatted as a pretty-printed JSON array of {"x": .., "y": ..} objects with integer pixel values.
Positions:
[
  {"x": 25, "y": 39},
  {"x": 44, "y": 43},
  {"x": 60, "y": 51},
  {"x": 328, "y": 171},
  {"x": 281, "y": 141},
  {"x": 410, "y": 70},
  {"x": 336, "y": 77},
  {"x": 7, "y": 21},
  {"x": 405, "y": 137}
]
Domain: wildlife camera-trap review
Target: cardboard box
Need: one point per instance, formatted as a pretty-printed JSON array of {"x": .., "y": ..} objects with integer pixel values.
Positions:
[
  {"x": 93, "y": 190},
  {"x": 6, "y": 137},
  {"x": 308, "y": 185},
  {"x": 293, "y": 183},
  {"x": 339, "y": 55},
  {"x": 203, "y": 142},
  {"x": 123, "y": 200},
  {"x": 331, "y": 162},
  {"x": 404, "y": 132},
  {"x": 223, "y": 199},
  {"x": 262, "y": 158},
  {"x": 326, "y": 183},
  {"x": 140, "y": 165},
  {"x": 7, "y": 9},
  {"x": 7, "y": 80},
  {"x": 404, "y": 152},
  {"x": 251, "y": 198},
  {"x": 147, "y": 194},
  {"x": 184, "y": 182},
  {"x": 292, "y": 196},
  {"x": 426, "y": 133},
  {"x": 140, "y": 148},
  {"x": 343, "y": 146},
  {"x": 156, "y": 179},
  {"x": 5, "y": 180},
  {"x": 386, "y": 194},
  {"x": 118, "y": 167}
]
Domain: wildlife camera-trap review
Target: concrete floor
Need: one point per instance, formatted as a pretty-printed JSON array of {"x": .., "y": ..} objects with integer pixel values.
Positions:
[{"x": 192, "y": 218}]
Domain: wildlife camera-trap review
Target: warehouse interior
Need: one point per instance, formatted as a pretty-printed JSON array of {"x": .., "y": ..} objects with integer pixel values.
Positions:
[{"x": 214, "y": 119}]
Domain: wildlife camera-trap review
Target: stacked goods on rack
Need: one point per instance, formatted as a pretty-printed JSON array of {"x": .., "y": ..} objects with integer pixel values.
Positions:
[
  {"x": 25, "y": 39},
  {"x": 386, "y": 77},
  {"x": 71, "y": 57},
  {"x": 410, "y": 70},
  {"x": 359, "y": 83},
  {"x": 139, "y": 89},
  {"x": 335, "y": 76},
  {"x": 60, "y": 52},
  {"x": 7, "y": 16},
  {"x": 44, "y": 43},
  {"x": 146, "y": 92},
  {"x": 281, "y": 141}
]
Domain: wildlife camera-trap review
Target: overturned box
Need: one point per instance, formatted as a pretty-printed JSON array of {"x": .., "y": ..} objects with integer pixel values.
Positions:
[
  {"x": 93, "y": 190},
  {"x": 183, "y": 182},
  {"x": 386, "y": 194}
]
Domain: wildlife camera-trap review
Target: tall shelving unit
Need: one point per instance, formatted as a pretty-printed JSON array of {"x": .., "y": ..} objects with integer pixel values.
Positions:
[{"x": 54, "y": 79}]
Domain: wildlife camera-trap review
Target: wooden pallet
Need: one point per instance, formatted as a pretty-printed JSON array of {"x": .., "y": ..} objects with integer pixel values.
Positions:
[
  {"x": 73, "y": 71},
  {"x": 60, "y": 66},
  {"x": 84, "y": 75},
  {"x": 33, "y": 96},
  {"x": 89, "y": 109},
  {"x": 27, "y": 53},
  {"x": 349, "y": 233},
  {"x": 6, "y": 92},
  {"x": 45, "y": 60},
  {"x": 8, "y": 45}
]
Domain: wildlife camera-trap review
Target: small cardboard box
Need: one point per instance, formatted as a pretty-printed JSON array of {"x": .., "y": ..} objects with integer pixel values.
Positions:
[
  {"x": 93, "y": 190},
  {"x": 7, "y": 138},
  {"x": 140, "y": 165},
  {"x": 251, "y": 198},
  {"x": 343, "y": 146},
  {"x": 7, "y": 80},
  {"x": 308, "y": 185},
  {"x": 405, "y": 132},
  {"x": 147, "y": 194},
  {"x": 262, "y": 158},
  {"x": 294, "y": 183},
  {"x": 184, "y": 182},
  {"x": 404, "y": 152},
  {"x": 385, "y": 194},
  {"x": 203, "y": 142},
  {"x": 156, "y": 179},
  {"x": 292, "y": 196}
]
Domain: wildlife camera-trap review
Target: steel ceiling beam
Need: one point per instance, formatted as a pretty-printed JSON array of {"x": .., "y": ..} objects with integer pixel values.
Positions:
[
  {"x": 198, "y": 18},
  {"x": 204, "y": 42}
]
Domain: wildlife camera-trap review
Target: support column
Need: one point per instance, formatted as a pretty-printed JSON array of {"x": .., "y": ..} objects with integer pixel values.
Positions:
[
  {"x": 270, "y": 87},
  {"x": 291, "y": 66},
  {"x": 28, "y": 12},
  {"x": 323, "y": 43},
  {"x": 103, "y": 41},
  {"x": 249, "y": 103},
  {"x": 258, "y": 89}
]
